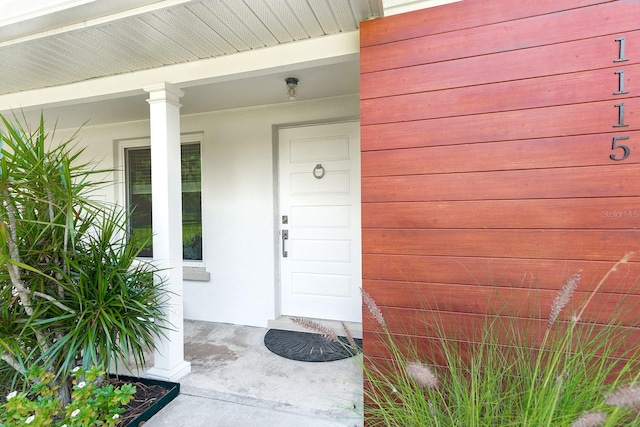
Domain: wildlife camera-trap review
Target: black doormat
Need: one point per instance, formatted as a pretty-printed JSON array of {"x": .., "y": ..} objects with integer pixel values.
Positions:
[{"x": 308, "y": 347}]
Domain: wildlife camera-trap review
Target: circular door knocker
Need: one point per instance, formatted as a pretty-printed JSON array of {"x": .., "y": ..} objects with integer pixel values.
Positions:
[{"x": 318, "y": 171}]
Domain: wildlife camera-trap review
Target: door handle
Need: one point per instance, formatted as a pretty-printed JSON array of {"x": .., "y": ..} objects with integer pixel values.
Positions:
[{"x": 285, "y": 237}]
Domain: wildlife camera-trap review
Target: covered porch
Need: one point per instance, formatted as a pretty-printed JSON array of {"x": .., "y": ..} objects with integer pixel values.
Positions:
[
  {"x": 235, "y": 380},
  {"x": 155, "y": 72},
  {"x": 152, "y": 73}
]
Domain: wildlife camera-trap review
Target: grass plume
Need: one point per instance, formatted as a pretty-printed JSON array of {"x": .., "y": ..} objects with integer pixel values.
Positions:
[
  {"x": 590, "y": 419},
  {"x": 422, "y": 374},
  {"x": 350, "y": 339},
  {"x": 327, "y": 333},
  {"x": 628, "y": 397},
  {"x": 373, "y": 308},
  {"x": 563, "y": 298}
]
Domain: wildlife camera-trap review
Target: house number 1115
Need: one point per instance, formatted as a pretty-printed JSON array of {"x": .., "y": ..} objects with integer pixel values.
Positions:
[{"x": 615, "y": 145}]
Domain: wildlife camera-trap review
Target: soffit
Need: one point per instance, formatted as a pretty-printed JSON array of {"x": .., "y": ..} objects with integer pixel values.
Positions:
[{"x": 184, "y": 32}]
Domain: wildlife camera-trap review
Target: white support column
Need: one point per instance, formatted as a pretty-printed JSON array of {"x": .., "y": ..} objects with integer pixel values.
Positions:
[{"x": 164, "y": 107}]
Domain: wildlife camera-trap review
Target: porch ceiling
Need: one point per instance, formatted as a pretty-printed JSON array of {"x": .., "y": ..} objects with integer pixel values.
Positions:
[{"x": 164, "y": 33}]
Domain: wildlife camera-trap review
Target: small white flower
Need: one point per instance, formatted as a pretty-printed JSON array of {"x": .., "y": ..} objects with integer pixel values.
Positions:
[
  {"x": 76, "y": 369},
  {"x": 28, "y": 420},
  {"x": 81, "y": 384},
  {"x": 12, "y": 395},
  {"x": 75, "y": 413},
  {"x": 115, "y": 416}
]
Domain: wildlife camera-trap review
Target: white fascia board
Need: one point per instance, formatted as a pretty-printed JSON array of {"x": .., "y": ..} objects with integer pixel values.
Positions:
[
  {"x": 319, "y": 51},
  {"x": 395, "y": 7},
  {"x": 92, "y": 22},
  {"x": 15, "y": 11}
]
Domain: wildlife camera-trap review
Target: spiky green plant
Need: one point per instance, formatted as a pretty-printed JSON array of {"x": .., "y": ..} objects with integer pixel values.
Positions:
[{"x": 71, "y": 288}]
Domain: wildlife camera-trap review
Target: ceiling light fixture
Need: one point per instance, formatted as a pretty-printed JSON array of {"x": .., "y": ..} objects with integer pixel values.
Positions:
[{"x": 292, "y": 84}]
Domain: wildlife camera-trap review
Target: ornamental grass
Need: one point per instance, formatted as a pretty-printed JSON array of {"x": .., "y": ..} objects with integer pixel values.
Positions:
[
  {"x": 581, "y": 374},
  {"x": 577, "y": 374}
]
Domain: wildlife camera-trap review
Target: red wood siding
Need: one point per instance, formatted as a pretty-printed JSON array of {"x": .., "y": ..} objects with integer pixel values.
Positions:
[{"x": 487, "y": 130}]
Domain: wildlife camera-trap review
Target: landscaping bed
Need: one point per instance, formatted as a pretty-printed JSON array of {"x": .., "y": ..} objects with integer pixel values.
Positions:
[{"x": 150, "y": 397}]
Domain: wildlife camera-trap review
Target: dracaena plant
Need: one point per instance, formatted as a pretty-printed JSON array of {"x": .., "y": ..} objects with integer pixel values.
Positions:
[{"x": 72, "y": 289}]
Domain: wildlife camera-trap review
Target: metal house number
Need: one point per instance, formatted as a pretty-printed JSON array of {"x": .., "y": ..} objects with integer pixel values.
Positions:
[{"x": 617, "y": 155}]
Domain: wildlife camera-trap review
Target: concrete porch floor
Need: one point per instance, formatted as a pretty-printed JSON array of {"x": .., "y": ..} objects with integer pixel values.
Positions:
[{"x": 236, "y": 381}]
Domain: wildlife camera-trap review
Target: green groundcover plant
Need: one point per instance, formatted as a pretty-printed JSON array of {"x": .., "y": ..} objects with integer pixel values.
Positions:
[
  {"x": 91, "y": 403},
  {"x": 581, "y": 374},
  {"x": 72, "y": 290}
]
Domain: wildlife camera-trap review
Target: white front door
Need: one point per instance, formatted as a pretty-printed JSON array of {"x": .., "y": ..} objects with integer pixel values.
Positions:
[{"x": 320, "y": 236}]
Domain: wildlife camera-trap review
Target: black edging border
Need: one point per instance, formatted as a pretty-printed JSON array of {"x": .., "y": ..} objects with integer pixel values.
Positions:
[{"x": 173, "y": 390}]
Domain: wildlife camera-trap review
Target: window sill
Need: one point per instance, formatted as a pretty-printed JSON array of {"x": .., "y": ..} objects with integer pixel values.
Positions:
[{"x": 195, "y": 274}]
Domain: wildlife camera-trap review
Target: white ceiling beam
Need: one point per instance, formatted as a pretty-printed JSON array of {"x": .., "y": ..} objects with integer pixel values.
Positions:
[{"x": 319, "y": 51}]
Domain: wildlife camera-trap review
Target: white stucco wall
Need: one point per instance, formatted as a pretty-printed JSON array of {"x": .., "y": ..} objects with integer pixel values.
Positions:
[{"x": 239, "y": 207}]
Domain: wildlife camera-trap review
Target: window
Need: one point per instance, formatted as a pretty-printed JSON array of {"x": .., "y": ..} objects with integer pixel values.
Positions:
[{"x": 138, "y": 187}]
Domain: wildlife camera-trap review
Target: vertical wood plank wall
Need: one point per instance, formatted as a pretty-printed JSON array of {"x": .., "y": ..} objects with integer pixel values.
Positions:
[{"x": 489, "y": 168}]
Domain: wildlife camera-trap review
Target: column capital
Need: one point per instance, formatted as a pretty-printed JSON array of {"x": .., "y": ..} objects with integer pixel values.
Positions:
[{"x": 164, "y": 92}]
